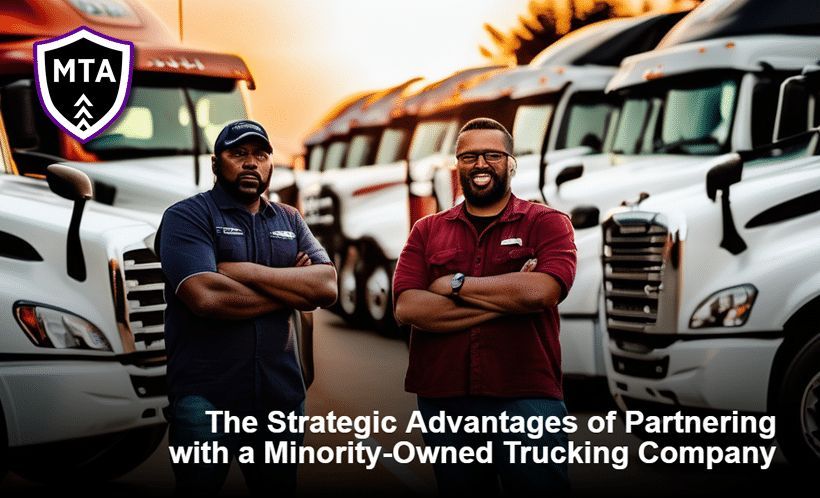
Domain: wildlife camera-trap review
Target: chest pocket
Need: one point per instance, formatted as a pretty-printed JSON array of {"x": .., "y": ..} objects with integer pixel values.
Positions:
[
  {"x": 283, "y": 247},
  {"x": 231, "y": 246},
  {"x": 510, "y": 259},
  {"x": 447, "y": 261}
]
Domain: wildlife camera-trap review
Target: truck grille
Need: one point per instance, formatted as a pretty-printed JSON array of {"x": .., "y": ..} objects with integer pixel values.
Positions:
[
  {"x": 637, "y": 273},
  {"x": 144, "y": 291},
  {"x": 319, "y": 211},
  {"x": 322, "y": 216}
]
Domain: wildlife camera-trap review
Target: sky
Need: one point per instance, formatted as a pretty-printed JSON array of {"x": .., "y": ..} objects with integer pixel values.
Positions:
[{"x": 307, "y": 55}]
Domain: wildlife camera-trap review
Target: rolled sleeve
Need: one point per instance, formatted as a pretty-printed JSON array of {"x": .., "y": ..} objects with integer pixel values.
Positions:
[
  {"x": 555, "y": 249},
  {"x": 308, "y": 243},
  {"x": 186, "y": 246},
  {"x": 411, "y": 268}
]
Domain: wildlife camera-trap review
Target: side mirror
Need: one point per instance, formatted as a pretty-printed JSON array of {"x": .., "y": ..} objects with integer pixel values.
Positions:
[
  {"x": 69, "y": 183},
  {"x": 568, "y": 174},
  {"x": 73, "y": 185},
  {"x": 793, "y": 108},
  {"x": 721, "y": 178},
  {"x": 585, "y": 217},
  {"x": 18, "y": 105},
  {"x": 724, "y": 175}
]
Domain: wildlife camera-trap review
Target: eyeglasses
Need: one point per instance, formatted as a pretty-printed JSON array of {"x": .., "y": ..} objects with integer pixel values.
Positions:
[{"x": 490, "y": 157}]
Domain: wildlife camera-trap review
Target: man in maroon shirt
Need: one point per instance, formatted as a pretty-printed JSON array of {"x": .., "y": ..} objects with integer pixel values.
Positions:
[{"x": 480, "y": 284}]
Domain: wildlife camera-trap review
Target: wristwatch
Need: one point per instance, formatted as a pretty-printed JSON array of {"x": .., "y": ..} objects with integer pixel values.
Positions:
[{"x": 456, "y": 283}]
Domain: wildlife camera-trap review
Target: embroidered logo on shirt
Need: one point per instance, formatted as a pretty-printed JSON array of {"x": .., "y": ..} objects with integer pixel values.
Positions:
[
  {"x": 282, "y": 234},
  {"x": 229, "y": 231},
  {"x": 512, "y": 242}
]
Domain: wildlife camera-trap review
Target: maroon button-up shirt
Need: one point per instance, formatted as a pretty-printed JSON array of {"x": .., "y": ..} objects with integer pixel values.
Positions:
[{"x": 511, "y": 356}]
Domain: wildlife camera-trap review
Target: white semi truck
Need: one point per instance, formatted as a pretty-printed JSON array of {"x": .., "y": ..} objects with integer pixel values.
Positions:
[
  {"x": 700, "y": 321},
  {"x": 82, "y": 357},
  {"x": 713, "y": 298},
  {"x": 377, "y": 144},
  {"x": 684, "y": 105}
]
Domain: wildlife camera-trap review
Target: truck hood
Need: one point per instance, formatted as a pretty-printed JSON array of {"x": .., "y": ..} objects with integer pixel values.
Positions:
[
  {"x": 147, "y": 184},
  {"x": 349, "y": 182},
  {"x": 30, "y": 199},
  {"x": 153, "y": 184},
  {"x": 773, "y": 250},
  {"x": 620, "y": 178}
]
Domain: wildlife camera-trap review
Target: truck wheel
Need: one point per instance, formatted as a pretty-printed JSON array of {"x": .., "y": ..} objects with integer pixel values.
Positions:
[
  {"x": 798, "y": 408},
  {"x": 350, "y": 292},
  {"x": 94, "y": 459},
  {"x": 379, "y": 297}
]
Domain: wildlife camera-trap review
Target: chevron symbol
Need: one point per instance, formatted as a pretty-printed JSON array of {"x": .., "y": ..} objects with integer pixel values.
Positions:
[
  {"x": 83, "y": 111},
  {"x": 83, "y": 99},
  {"x": 83, "y": 125}
]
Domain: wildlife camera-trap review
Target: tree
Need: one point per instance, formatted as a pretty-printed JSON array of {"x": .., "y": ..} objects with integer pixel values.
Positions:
[{"x": 548, "y": 20}]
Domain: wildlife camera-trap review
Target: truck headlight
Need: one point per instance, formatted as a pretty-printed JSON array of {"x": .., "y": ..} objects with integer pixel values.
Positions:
[
  {"x": 53, "y": 328},
  {"x": 726, "y": 308}
]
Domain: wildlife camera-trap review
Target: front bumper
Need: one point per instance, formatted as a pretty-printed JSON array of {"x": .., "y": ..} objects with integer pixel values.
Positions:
[
  {"x": 712, "y": 373},
  {"x": 48, "y": 400},
  {"x": 581, "y": 347}
]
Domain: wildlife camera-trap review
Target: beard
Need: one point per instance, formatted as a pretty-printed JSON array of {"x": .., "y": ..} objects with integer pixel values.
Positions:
[
  {"x": 235, "y": 189},
  {"x": 484, "y": 196}
]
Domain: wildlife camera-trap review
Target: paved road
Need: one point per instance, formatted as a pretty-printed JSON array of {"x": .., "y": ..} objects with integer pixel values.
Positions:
[{"x": 359, "y": 372}]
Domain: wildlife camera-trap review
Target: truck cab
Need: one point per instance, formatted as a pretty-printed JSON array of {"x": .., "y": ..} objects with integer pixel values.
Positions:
[
  {"x": 721, "y": 310},
  {"x": 730, "y": 281},
  {"x": 158, "y": 151},
  {"x": 684, "y": 106},
  {"x": 349, "y": 206},
  {"x": 83, "y": 375}
]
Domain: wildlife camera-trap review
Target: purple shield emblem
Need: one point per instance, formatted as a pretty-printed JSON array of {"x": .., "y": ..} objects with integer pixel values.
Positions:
[{"x": 83, "y": 79}]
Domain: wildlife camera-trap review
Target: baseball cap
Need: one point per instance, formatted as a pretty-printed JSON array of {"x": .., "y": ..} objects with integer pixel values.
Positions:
[{"x": 237, "y": 132}]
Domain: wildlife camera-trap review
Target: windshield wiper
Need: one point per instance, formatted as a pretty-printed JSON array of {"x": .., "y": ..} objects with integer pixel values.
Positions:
[{"x": 678, "y": 145}]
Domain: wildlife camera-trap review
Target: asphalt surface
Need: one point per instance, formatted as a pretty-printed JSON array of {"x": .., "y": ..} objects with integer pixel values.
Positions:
[{"x": 359, "y": 371}]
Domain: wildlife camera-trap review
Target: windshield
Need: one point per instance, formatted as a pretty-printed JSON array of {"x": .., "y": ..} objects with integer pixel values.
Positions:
[
  {"x": 585, "y": 122},
  {"x": 530, "y": 128},
  {"x": 633, "y": 122},
  {"x": 428, "y": 138},
  {"x": 359, "y": 150},
  {"x": 393, "y": 142},
  {"x": 689, "y": 119},
  {"x": 317, "y": 154},
  {"x": 157, "y": 121},
  {"x": 335, "y": 155}
]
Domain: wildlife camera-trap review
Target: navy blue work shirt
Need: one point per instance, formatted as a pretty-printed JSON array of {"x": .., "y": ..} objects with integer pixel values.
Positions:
[{"x": 240, "y": 365}]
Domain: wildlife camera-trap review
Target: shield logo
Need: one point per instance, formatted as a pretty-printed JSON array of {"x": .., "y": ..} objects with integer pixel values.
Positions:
[{"x": 83, "y": 79}]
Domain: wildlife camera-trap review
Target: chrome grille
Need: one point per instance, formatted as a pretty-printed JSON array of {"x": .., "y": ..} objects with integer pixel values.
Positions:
[
  {"x": 319, "y": 211},
  {"x": 635, "y": 260},
  {"x": 144, "y": 292}
]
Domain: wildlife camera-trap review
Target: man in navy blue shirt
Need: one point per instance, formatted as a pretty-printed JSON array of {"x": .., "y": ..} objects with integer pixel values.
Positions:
[{"x": 236, "y": 267}]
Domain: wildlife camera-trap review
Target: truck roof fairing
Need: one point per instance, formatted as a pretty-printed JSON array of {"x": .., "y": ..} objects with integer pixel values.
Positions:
[
  {"x": 747, "y": 53},
  {"x": 24, "y": 22}
]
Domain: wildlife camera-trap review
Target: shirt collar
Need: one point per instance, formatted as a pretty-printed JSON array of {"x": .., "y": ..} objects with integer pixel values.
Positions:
[
  {"x": 225, "y": 201},
  {"x": 515, "y": 209}
]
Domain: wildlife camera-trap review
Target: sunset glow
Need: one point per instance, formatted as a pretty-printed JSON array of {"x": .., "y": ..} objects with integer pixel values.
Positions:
[{"x": 307, "y": 55}]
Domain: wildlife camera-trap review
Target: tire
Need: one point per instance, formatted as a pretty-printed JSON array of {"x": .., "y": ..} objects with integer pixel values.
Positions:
[
  {"x": 378, "y": 297},
  {"x": 798, "y": 408},
  {"x": 95, "y": 459},
  {"x": 351, "y": 295}
]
